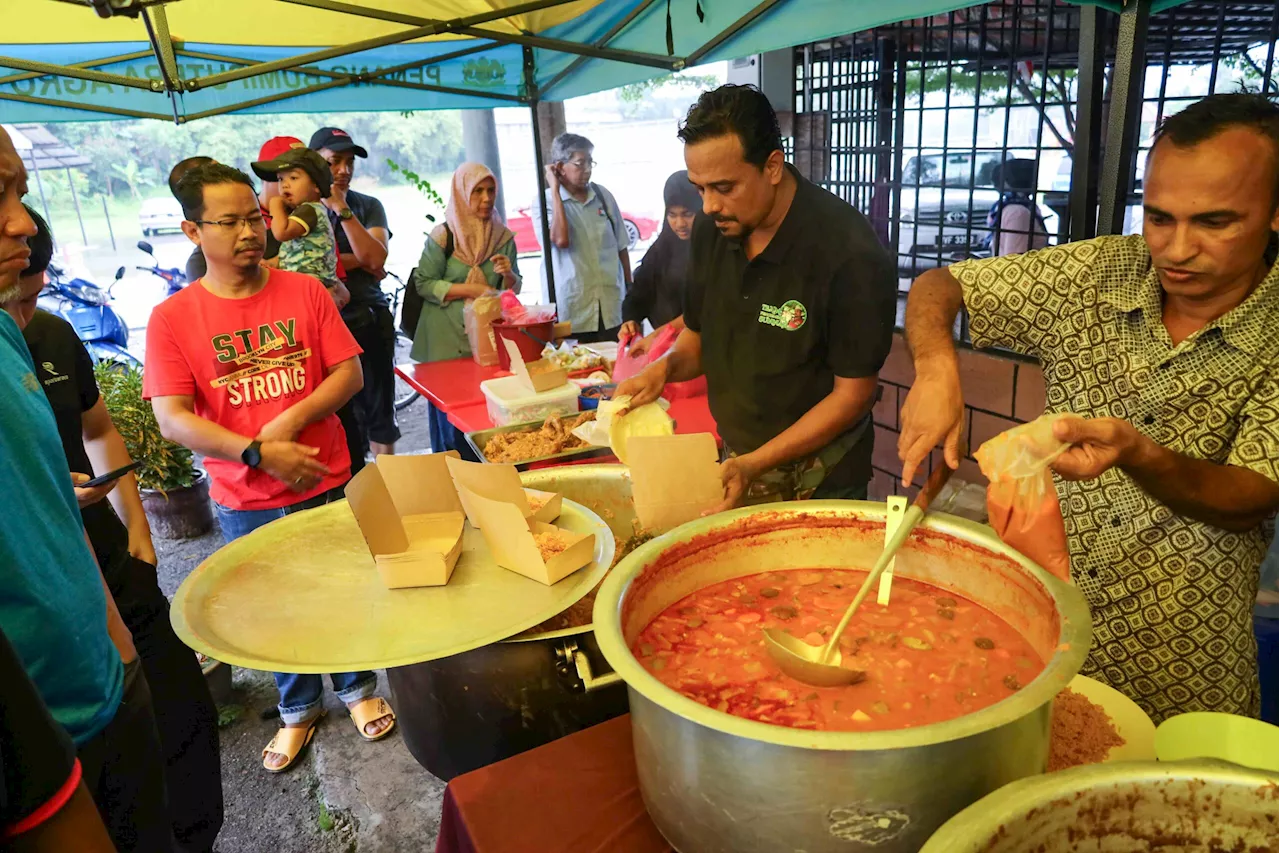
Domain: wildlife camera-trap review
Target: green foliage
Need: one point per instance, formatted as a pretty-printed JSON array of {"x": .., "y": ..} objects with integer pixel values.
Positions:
[
  {"x": 415, "y": 180},
  {"x": 135, "y": 156},
  {"x": 165, "y": 465}
]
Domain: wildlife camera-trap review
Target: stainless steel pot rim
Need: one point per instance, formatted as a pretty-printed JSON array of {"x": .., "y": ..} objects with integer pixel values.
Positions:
[
  {"x": 1073, "y": 640},
  {"x": 1012, "y": 802}
]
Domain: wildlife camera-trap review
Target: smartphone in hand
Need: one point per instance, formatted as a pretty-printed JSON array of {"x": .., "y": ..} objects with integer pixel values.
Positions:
[{"x": 109, "y": 476}]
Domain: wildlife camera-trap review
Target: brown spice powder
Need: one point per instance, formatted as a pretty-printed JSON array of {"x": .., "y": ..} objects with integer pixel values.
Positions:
[{"x": 1082, "y": 732}]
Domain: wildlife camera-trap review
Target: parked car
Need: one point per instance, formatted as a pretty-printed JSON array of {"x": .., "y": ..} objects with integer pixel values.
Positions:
[
  {"x": 941, "y": 223},
  {"x": 529, "y": 237},
  {"x": 160, "y": 214}
]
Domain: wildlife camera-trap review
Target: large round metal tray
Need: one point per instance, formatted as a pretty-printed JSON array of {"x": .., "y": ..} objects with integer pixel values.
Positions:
[{"x": 302, "y": 595}]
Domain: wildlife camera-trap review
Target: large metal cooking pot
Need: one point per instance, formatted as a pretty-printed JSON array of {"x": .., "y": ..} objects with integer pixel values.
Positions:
[
  {"x": 714, "y": 783},
  {"x": 1129, "y": 806},
  {"x": 472, "y": 709}
]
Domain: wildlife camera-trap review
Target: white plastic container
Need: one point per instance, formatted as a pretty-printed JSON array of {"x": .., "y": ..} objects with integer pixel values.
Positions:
[{"x": 510, "y": 402}]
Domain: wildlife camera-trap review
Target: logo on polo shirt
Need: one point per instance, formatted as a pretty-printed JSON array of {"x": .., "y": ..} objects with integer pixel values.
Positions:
[
  {"x": 54, "y": 375},
  {"x": 791, "y": 315}
]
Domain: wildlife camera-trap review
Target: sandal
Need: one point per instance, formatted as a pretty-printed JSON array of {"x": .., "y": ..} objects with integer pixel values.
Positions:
[
  {"x": 367, "y": 711},
  {"x": 289, "y": 742}
]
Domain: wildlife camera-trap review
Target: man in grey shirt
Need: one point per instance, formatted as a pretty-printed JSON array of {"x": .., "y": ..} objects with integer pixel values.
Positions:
[{"x": 588, "y": 242}]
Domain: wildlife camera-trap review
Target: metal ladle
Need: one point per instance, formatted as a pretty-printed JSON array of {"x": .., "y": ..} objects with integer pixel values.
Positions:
[{"x": 820, "y": 665}]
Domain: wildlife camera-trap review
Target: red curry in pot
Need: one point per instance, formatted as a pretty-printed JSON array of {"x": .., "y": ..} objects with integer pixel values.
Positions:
[{"x": 928, "y": 656}]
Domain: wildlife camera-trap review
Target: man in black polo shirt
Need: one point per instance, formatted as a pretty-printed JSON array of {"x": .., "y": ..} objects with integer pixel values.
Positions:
[
  {"x": 185, "y": 715},
  {"x": 360, "y": 226},
  {"x": 789, "y": 312}
]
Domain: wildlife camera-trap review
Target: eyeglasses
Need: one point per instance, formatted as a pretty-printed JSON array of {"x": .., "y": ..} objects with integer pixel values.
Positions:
[
  {"x": 235, "y": 223},
  {"x": 582, "y": 164}
]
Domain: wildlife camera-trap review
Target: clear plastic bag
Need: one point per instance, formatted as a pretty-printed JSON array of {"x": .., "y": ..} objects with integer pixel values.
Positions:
[{"x": 1022, "y": 503}]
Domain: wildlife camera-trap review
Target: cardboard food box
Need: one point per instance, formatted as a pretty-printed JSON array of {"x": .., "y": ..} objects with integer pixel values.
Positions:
[
  {"x": 537, "y": 376},
  {"x": 411, "y": 518},
  {"x": 502, "y": 483},
  {"x": 674, "y": 478},
  {"x": 513, "y": 540}
]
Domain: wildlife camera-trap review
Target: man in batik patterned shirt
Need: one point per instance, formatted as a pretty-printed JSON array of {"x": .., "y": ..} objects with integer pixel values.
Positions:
[{"x": 1166, "y": 347}]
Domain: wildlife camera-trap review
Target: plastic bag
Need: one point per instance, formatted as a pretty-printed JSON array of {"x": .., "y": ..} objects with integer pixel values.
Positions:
[
  {"x": 514, "y": 311},
  {"x": 1022, "y": 503},
  {"x": 478, "y": 317},
  {"x": 629, "y": 365}
]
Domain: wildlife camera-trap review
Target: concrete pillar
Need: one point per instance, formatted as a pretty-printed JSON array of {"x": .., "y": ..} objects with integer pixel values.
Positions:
[
  {"x": 480, "y": 141},
  {"x": 550, "y": 124}
]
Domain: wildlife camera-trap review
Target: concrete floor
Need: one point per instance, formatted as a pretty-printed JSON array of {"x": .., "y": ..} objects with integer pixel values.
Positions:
[{"x": 345, "y": 795}]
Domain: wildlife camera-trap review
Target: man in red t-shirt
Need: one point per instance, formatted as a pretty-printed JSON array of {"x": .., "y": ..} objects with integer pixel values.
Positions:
[{"x": 247, "y": 367}]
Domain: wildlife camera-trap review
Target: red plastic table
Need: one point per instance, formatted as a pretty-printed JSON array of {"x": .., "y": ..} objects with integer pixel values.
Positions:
[{"x": 578, "y": 794}]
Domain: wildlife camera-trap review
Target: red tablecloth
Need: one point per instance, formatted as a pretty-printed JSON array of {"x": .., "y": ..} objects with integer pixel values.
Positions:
[
  {"x": 454, "y": 387},
  {"x": 450, "y": 384},
  {"x": 578, "y": 794}
]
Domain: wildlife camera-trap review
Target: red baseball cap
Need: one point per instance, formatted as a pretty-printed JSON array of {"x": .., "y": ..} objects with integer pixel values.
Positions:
[{"x": 277, "y": 145}]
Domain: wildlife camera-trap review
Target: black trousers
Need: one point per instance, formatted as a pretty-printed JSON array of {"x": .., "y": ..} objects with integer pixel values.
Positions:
[
  {"x": 186, "y": 718},
  {"x": 124, "y": 772},
  {"x": 374, "y": 406}
]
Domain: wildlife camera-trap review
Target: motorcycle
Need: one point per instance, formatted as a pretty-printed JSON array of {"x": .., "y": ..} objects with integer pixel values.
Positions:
[
  {"x": 87, "y": 307},
  {"x": 175, "y": 278}
]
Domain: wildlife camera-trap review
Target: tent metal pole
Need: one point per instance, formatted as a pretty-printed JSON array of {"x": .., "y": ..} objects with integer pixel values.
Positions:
[
  {"x": 337, "y": 75},
  {"x": 466, "y": 26},
  {"x": 540, "y": 167},
  {"x": 307, "y": 58},
  {"x": 162, "y": 45},
  {"x": 1126, "y": 111},
  {"x": 75, "y": 199},
  {"x": 601, "y": 42},
  {"x": 44, "y": 203},
  {"x": 107, "y": 60},
  {"x": 268, "y": 99},
  {"x": 417, "y": 20},
  {"x": 732, "y": 30},
  {"x": 110, "y": 231},
  {"x": 93, "y": 108},
  {"x": 631, "y": 57},
  {"x": 44, "y": 69},
  {"x": 1083, "y": 200}
]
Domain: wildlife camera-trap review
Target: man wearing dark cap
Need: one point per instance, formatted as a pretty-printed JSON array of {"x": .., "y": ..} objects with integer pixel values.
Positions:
[{"x": 360, "y": 227}]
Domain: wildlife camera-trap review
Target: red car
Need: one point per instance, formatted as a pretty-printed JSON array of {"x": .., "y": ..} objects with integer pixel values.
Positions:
[{"x": 528, "y": 241}]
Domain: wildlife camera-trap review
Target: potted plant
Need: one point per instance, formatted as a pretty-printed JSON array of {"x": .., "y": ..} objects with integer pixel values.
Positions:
[{"x": 175, "y": 493}]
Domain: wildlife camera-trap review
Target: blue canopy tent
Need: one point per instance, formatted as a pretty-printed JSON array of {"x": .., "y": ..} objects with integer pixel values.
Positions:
[{"x": 183, "y": 60}]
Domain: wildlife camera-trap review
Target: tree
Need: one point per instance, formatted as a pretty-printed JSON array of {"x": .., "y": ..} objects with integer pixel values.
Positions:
[{"x": 997, "y": 88}]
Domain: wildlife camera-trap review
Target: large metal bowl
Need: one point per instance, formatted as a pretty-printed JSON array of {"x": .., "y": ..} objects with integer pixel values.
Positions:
[
  {"x": 1123, "y": 807},
  {"x": 714, "y": 783}
]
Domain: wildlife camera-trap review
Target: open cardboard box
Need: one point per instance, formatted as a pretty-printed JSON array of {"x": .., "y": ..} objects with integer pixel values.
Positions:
[
  {"x": 501, "y": 483},
  {"x": 537, "y": 376},
  {"x": 510, "y": 536},
  {"x": 411, "y": 518},
  {"x": 674, "y": 478}
]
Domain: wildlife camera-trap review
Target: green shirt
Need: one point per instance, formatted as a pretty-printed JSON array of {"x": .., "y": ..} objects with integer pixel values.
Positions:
[
  {"x": 1171, "y": 597},
  {"x": 441, "y": 334}
]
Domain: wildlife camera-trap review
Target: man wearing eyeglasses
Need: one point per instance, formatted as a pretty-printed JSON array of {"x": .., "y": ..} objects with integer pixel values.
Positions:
[
  {"x": 589, "y": 242},
  {"x": 247, "y": 367}
]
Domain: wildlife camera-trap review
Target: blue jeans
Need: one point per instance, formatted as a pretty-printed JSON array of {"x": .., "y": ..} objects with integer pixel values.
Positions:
[
  {"x": 445, "y": 436},
  {"x": 300, "y": 695}
]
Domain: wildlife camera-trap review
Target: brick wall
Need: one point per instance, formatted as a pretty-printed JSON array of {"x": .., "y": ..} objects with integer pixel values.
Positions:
[{"x": 1000, "y": 392}]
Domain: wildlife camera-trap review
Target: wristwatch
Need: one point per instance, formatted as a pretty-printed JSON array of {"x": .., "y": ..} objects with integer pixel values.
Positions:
[
  {"x": 345, "y": 214},
  {"x": 252, "y": 455}
]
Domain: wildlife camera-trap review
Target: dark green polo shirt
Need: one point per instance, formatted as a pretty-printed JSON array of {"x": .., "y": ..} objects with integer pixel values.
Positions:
[{"x": 817, "y": 303}]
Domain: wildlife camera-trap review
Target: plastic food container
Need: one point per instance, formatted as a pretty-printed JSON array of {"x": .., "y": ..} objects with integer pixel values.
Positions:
[
  {"x": 510, "y": 402},
  {"x": 589, "y": 398},
  {"x": 1228, "y": 737}
]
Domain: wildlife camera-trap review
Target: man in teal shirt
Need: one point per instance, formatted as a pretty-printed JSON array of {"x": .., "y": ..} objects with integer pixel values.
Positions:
[{"x": 53, "y": 602}]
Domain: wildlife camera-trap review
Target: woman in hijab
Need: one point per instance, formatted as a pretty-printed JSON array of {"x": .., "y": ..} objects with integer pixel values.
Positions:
[
  {"x": 472, "y": 255},
  {"x": 657, "y": 290}
]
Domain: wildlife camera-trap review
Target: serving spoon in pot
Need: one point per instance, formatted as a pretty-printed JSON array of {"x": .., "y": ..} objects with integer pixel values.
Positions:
[{"x": 820, "y": 665}]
